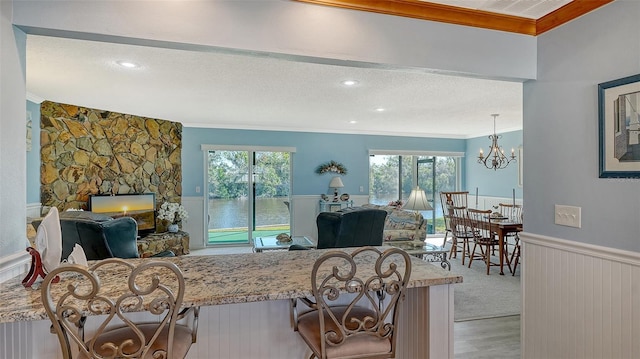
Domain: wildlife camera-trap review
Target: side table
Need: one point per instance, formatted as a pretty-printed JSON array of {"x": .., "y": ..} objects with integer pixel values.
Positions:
[
  {"x": 329, "y": 206},
  {"x": 154, "y": 243},
  {"x": 271, "y": 243},
  {"x": 427, "y": 251}
]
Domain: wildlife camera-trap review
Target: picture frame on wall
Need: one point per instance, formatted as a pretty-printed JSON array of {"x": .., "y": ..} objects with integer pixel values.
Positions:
[{"x": 619, "y": 128}]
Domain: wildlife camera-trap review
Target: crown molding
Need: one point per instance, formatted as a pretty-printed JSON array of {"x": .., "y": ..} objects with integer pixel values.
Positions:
[
  {"x": 469, "y": 17},
  {"x": 572, "y": 10}
]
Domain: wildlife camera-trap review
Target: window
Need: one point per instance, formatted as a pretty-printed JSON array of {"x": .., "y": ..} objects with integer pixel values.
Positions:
[{"x": 392, "y": 176}]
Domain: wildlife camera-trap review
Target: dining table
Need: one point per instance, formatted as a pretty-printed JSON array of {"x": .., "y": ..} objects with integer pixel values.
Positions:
[{"x": 502, "y": 227}]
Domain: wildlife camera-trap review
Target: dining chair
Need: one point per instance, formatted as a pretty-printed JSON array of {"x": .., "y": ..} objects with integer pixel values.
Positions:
[
  {"x": 447, "y": 201},
  {"x": 515, "y": 256},
  {"x": 461, "y": 231},
  {"x": 485, "y": 237},
  {"x": 356, "y": 301},
  {"x": 514, "y": 213},
  {"x": 110, "y": 304}
]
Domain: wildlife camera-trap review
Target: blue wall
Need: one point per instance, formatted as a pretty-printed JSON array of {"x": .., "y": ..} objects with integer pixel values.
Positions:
[
  {"x": 33, "y": 156},
  {"x": 312, "y": 149},
  {"x": 499, "y": 183}
]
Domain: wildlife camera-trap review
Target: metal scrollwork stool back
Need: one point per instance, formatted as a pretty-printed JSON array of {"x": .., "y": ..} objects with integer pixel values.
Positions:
[
  {"x": 357, "y": 298},
  {"x": 109, "y": 294}
]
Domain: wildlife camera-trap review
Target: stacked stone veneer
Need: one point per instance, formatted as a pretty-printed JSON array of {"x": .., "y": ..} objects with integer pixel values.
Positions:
[{"x": 86, "y": 151}]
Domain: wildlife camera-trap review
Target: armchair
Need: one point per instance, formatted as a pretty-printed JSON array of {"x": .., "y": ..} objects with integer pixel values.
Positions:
[
  {"x": 352, "y": 227},
  {"x": 100, "y": 236}
]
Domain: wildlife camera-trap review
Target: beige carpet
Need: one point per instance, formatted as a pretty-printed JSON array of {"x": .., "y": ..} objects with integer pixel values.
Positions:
[{"x": 483, "y": 296}]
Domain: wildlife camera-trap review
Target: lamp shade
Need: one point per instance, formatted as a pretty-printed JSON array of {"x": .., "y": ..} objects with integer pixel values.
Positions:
[
  {"x": 417, "y": 201},
  {"x": 336, "y": 182}
]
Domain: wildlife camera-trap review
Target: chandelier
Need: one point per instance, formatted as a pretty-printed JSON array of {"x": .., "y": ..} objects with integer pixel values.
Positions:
[{"x": 496, "y": 158}]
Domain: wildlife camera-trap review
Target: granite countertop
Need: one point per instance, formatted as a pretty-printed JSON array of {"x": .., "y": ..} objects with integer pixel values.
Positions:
[{"x": 223, "y": 279}]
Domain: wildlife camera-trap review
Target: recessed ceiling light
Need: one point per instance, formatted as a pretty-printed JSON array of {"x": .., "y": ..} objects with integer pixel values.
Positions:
[
  {"x": 353, "y": 121},
  {"x": 349, "y": 82},
  {"x": 127, "y": 64},
  {"x": 380, "y": 109}
]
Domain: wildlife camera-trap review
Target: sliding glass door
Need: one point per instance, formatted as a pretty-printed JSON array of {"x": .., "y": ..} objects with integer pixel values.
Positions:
[
  {"x": 435, "y": 175},
  {"x": 248, "y": 195},
  {"x": 271, "y": 190},
  {"x": 391, "y": 178}
]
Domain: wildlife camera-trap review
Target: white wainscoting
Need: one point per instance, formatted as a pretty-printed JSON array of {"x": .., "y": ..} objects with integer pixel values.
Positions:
[
  {"x": 14, "y": 265},
  {"x": 195, "y": 225},
  {"x": 579, "y": 300},
  {"x": 34, "y": 210},
  {"x": 263, "y": 330}
]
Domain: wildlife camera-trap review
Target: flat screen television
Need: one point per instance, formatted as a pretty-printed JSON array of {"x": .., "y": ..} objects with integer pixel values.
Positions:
[{"x": 141, "y": 207}]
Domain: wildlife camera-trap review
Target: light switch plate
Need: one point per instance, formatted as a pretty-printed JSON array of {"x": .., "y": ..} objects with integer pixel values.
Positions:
[{"x": 568, "y": 216}]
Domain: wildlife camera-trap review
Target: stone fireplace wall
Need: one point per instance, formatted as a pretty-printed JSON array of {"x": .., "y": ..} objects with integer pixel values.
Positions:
[{"x": 86, "y": 151}]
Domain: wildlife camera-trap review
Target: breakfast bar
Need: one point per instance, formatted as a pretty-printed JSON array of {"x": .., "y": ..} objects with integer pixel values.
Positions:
[{"x": 245, "y": 307}]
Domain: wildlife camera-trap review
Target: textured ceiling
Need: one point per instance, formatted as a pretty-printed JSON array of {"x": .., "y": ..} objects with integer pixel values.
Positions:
[
  {"x": 222, "y": 90},
  {"x": 231, "y": 90}
]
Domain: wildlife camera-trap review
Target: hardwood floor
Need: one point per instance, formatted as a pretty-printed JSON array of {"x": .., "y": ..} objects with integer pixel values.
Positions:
[{"x": 495, "y": 338}]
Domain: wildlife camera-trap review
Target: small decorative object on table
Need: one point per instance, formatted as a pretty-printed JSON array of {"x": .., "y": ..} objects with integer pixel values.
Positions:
[
  {"x": 324, "y": 197},
  {"x": 344, "y": 197},
  {"x": 283, "y": 238},
  {"x": 173, "y": 213}
]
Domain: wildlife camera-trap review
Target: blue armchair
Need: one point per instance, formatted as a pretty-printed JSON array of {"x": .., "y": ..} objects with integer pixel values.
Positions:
[
  {"x": 350, "y": 227},
  {"x": 100, "y": 236}
]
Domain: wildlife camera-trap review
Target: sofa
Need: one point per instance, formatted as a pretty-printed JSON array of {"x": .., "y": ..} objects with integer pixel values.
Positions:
[{"x": 401, "y": 224}]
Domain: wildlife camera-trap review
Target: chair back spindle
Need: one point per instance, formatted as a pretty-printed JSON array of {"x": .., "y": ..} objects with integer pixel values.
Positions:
[{"x": 511, "y": 211}]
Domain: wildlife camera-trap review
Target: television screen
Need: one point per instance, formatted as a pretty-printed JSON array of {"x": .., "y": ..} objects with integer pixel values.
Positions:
[{"x": 141, "y": 207}]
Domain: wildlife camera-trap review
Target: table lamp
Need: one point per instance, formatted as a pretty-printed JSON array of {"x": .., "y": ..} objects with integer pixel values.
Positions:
[
  {"x": 336, "y": 182},
  {"x": 417, "y": 202}
]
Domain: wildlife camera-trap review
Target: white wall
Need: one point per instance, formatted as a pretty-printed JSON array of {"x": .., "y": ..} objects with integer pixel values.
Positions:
[{"x": 13, "y": 205}]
